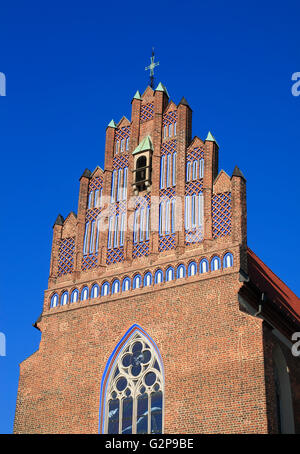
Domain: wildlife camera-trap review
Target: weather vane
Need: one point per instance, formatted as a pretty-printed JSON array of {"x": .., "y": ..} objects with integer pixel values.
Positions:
[{"x": 151, "y": 68}]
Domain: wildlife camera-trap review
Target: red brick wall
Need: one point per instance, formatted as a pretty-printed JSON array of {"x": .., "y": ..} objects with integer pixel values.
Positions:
[{"x": 212, "y": 354}]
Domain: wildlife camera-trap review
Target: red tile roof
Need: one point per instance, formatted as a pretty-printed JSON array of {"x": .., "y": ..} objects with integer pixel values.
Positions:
[{"x": 268, "y": 282}]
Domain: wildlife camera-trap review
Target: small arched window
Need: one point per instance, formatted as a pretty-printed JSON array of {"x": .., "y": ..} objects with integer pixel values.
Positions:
[
  {"x": 228, "y": 260},
  {"x": 105, "y": 289},
  {"x": 115, "y": 288},
  {"x": 126, "y": 284},
  {"x": 192, "y": 269},
  {"x": 132, "y": 387},
  {"x": 181, "y": 271},
  {"x": 137, "y": 281},
  {"x": 147, "y": 279},
  {"x": 54, "y": 300},
  {"x": 95, "y": 291},
  {"x": 64, "y": 298},
  {"x": 169, "y": 274},
  {"x": 84, "y": 293},
  {"x": 158, "y": 277},
  {"x": 203, "y": 267},
  {"x": 215, "y": 263},
  {"x": 74, "y": 296}
]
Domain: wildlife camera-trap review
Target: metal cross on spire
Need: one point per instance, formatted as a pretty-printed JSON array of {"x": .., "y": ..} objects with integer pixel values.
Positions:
[{"x": 151, "y": 68}]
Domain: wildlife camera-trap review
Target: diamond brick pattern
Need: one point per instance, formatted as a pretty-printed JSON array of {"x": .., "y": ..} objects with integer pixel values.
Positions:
[
  {"x": 221, "y": 214},
  {"x": 193, "y": 236},
  {"x": 89, "y": 261},
  {"x": 195, "y": 153},
  {"x": 122, "y": 133},
  {"x": 140, "y": 249},
  {"x": 92, "y": 214},
  {"x": 194, "y": 187},
  {"x": 95, "y": 183},
  {"x": 115, "y": 255},
  {"x": 66, "y": 256},
  {"x": 120, "y": 161},
  {"x": 146, "y": 112},
  {"x": 142, "y": 201},
  {"x": 166, "y": 242},
  {"x": 170, "y": 118},
  {"x": 168, "y": 147}
]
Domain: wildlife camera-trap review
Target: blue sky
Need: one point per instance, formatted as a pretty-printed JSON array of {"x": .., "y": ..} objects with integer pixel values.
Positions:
[{"x": 72, "y": 66}]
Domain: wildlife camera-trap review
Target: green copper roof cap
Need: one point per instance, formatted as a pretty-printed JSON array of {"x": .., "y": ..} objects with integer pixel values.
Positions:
[
  {"x": 137, "y": 95},
  {"x": 146, "y": 144},
  {"x": 211, "y": 138},
  {"x": 112, "y": 124},
  {"x": 161, "y": 87}
]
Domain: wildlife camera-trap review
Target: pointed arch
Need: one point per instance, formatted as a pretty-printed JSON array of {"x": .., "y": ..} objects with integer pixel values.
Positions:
[{"x": 132, "y": 386}]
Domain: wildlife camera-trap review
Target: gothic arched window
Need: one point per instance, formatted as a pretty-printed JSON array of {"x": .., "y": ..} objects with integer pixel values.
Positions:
[
  {"x": 215, "y": 263},
  {"x": 84, "y": 293},
  {"x": 54, "y": 300},
  {"x": 147, "y": 279},
  {"x": 126, "y": 284},
  {"x": 158, "y": 277},
  {"x": 74, "y": 296},
  {"x": 227, "y": 260},
  {"x": 192, "y": 269},
  {"x": 170, "y": 274},
  {"x": 115, "y": 288},
  {"x": 203, "y": 267},
  {"x": 105, "y": 289},
  {"x": 95, "y": 291},
  {"x": 137, "y": 281},
  {"x": 64, "y": 298},
  {"x": 132, "y": 387},
  {"x": 181, "y": 272}
]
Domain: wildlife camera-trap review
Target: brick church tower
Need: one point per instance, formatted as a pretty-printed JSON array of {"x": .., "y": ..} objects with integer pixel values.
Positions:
[{"x": 158, "y": 318}]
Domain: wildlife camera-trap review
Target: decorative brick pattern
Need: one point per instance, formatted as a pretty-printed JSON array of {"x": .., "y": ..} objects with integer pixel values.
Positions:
[
  {"x": 221, "y": 214},
  {"x": 193, "y": 236},
  {"x": 95, "y": 183},
  {"x": 140, "y": 249},
  {"x": 92, "y": 214},
  {"x": 146, "y": 112},
  {"x": 89, "y": 261},
  {"x": 66, "y": 256},
  {"x": 115, "y": 255},
  {"x": 170, "y": 118},
  {"x": 166, "y": 193},
  {"x": 166, "y": 242},
  {"x": 122, "y": 133},
  {"x": 194, "y": 187},
  {"x": 195, "y": 153},
  {"x": 168, "y": 147},
  {"x": 120, "y": 161}
]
